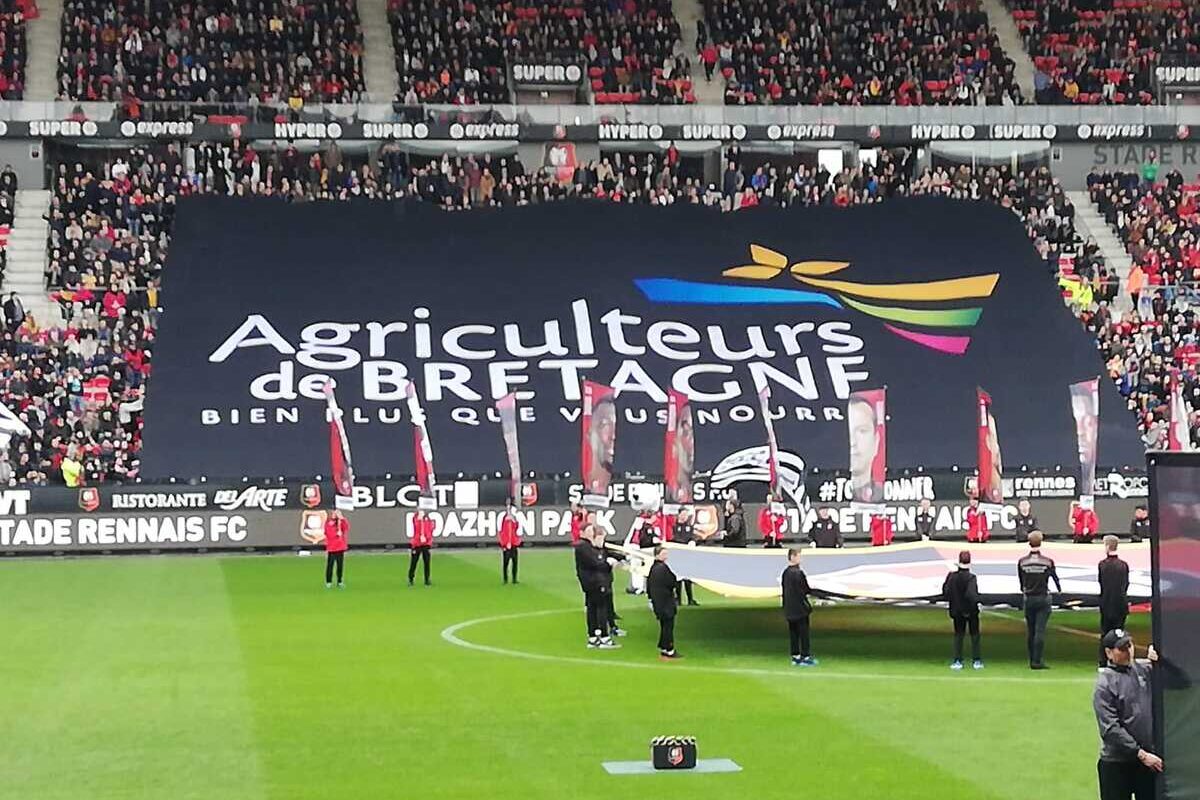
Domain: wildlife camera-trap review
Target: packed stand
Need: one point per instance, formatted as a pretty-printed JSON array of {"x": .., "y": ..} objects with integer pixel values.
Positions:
[
  {"x": 880, "y": 52},
  {"x": 79, "y": 388},
  {"x": 13, "y": 14},
  {"x": 455, "y": 51},
  {"x": 244, "y": 51},
  {"x": 8, "y": 206},
  {"x": 1105, "y": 51},
  {"x": 1160, "y": 335}
]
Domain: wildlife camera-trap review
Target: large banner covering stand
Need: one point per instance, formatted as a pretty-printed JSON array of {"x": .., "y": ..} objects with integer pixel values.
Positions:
[{"x": 715, "y": 306}]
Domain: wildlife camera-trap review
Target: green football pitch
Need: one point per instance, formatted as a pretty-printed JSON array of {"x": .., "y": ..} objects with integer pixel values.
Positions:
[{"x": 243, "y": 677}]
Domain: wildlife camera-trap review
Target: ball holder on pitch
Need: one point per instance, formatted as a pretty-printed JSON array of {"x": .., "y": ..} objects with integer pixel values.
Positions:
[{"x": 673, "y": 752}]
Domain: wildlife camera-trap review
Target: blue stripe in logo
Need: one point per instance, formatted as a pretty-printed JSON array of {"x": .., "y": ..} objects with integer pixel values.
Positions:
[{"x": 672, "y": 290}]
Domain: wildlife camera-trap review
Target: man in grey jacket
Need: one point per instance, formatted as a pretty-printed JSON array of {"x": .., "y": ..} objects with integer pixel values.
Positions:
[{"x": 1122, "y": 702}]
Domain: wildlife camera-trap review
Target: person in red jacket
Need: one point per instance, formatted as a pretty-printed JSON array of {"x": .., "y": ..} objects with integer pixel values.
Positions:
[
  {"x": 977, "y": 523},
  {"x": 420, "y": 541},
  {"x": 1084, "y": 523},
  {"x": 336, "y": 528},
  {"x": 882, "y": 530},
  {"x": 771, "y": 523},
  {"x": 510, "y": 540}
]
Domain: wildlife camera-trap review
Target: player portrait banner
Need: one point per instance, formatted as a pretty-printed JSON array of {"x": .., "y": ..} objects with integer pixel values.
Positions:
[
  {"x": 866, "y": 413},
  {"x": 532, "y": 300},
  {"x": 764, "y": 397},
  {"x": 1179, "y": 434},
  {"x": 341, "y": 468},
  {"x": 679, "y": 452},
  {"x": 599, "y": 445},
  {"x": 989, "y": 487},
  {"x": 1085, "y": 406},
  {"x": 506, "y": 407},
  {"x": 422, "y": 448}
]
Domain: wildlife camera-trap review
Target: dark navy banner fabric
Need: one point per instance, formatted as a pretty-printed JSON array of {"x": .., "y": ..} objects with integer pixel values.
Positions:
[{"x": 930, "y": 298}]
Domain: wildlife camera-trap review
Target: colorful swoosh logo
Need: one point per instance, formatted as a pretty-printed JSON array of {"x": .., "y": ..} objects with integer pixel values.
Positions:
[{"x": 917, "y": 312}]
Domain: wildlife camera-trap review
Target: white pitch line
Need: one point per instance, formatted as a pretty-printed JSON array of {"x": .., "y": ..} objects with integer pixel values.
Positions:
[{"x": 451, "y": 636}]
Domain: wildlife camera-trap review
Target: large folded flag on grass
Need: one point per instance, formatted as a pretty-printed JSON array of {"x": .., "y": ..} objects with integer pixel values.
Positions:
[
  {"x": 990, "y": 487},
  {"x": 909, "y": 571},
  {"x": 507, "y": 408},
  {"x": 422, "y": 449},
  {"x": 679, "y": 454},
  {"x": 599, "y": 444},
  {"x": 339, "y": 453}
]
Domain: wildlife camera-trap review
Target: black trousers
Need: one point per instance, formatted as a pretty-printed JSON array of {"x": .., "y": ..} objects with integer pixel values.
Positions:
[
  {"x": 680, "y": 588},
  {"x": 598, "y": 601},
  {"x": 330, "y": 560},
  {"x": 798, "y": 631},
  {"x": 961, "y": 626},
  {"x": 421, "y": 553},
  {"x": 1122, "y": 780},
  {"x": 1109, "y": 623},
  {"x": 1037, "y": 615},
  {"x": 613, "y": 616},
  {"x": 508, "y": 557},
  {"x": 666, "y": 633}
]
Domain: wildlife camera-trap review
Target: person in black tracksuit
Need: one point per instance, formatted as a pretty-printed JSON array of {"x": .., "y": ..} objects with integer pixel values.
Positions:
[
  {"x": 1026, "y": 522},
  {"x": 595, "y": 578},
  {"x": 735, "y": 524},
  {"x": 825, "y": 531},
  {"x": 1113, "y": 574},
  {"x": 684, "y": 533},
  {"x": 1139, "y": 526},
  {"x": 660, "y": 585},
  {"x": 797, "y": 609},
  {"x": 1036, "y": 571},
  {"x": 961, "y": 591},
  {"x": 925, "y": 520}
]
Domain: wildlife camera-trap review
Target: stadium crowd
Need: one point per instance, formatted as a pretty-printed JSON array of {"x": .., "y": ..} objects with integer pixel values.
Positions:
[
  {"x": 455, "y": 51},
  {"x": 12, "y": 49},
  {"x": 818, "y": 52},
  {"x": 1160, "y": 336},
  {"x": 1105, "y": 51},
  {"x": 79, "y": 387},
  {"x": 269, "y": 51}
]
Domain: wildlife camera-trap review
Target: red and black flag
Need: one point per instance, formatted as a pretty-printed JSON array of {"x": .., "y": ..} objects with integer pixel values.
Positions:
[
  {"x": 507, "y": 408},
  {"x": 990, "y": 487},
  {"x": 599, "y": 445},
  {"x": 422, "y": 449},
  {"x": 339, "y": 453},
  {"x": 679, "y": 451}
]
